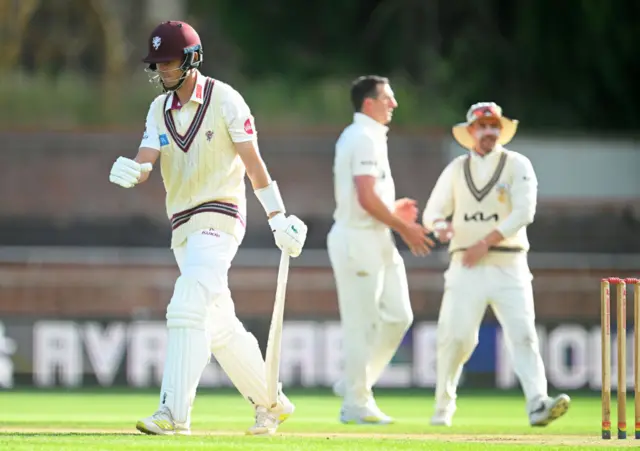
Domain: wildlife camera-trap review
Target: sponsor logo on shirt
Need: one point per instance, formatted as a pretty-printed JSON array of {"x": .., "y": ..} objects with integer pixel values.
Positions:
[{"x": 248, "y": 128}]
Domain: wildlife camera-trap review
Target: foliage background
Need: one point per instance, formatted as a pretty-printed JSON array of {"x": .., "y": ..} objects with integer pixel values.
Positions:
[{"x": 558, "y": 65}]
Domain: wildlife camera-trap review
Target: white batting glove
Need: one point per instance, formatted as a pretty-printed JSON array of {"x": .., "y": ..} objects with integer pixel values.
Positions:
[
  {"x": 126, "y": 172},
  {"x": 289, "y": 232}
]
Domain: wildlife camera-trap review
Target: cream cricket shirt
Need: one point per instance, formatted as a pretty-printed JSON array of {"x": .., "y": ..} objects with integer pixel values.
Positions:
[
  {"x": 361, "y": 149},
  {"x": 202, "y": 172},
  {"x": 497, "y": 191}
]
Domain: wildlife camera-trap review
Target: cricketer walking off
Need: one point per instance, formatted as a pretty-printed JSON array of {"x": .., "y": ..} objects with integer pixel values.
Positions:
[
  {"x": 490, "y": 193},
  {"x": 370, "y": 276},
  {"x": 204, "y": 134}
]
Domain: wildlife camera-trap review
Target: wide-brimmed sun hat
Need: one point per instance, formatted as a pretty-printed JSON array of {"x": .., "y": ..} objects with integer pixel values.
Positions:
[{"x": 480, "y": 110}]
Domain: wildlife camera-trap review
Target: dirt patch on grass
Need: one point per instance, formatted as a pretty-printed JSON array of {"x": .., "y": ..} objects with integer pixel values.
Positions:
[
  {"x": 540, "y": 439},
  {"x": 570, "y": 440}
]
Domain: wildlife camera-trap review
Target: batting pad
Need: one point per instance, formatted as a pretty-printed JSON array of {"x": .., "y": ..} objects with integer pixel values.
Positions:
[
  {"x": 239, "y": 355},
  {"x": 187, "y": 349}
]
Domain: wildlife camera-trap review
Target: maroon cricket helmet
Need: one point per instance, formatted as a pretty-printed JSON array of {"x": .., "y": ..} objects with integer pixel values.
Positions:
[{"x": 174, "y": 40}]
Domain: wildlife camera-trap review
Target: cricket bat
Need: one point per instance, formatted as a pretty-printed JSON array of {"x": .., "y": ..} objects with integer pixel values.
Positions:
[{"x": 272, "y": 357}]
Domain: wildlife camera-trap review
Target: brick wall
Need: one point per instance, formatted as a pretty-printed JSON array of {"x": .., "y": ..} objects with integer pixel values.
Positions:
[
  {"x": 52, "y": 290},
  {"x": 68, "y": 174},
  {"x": 56, "y": 190}
]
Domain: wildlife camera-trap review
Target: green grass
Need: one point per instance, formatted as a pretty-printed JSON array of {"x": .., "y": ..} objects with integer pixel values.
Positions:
[
  {"x": 74, "y": 101},
  {"x": 104, "y": 420}
]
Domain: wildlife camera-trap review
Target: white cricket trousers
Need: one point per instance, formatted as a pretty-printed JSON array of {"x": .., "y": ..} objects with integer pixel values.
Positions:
[
  {"x": 201, "y": 320},
  {"x": 207, "y": 255},
  {"x": 467, "y": 293},
  {"x": 373, "y": 298}
]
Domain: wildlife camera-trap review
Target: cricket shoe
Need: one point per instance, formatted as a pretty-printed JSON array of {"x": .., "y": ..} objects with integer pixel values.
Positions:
[
  {"x": 443, "y": 417},
  {"x": 549, "y": 409},
  {"x": 161, "y": 423},
  {"x": 268, "y": 420},
  {"x": 368, "y": 414}
]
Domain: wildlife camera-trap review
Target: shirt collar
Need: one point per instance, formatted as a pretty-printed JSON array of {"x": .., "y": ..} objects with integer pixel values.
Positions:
[
  {"x": 497, "y": 150},
  {"x": 196, "y": 96},
  {"x": 369, "y": 122}
]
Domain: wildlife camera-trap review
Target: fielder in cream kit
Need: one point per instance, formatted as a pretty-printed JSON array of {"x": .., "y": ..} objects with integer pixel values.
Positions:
[
  {"x": 204, "y": 134},
  {"x": 490, "y": 194},
  {"x": 371, "y": 281}
]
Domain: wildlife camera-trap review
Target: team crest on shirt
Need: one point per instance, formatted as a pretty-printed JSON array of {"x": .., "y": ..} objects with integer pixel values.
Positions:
[
  {"x": 209, "y": 135},
  {"x": 503, "y": 191}
]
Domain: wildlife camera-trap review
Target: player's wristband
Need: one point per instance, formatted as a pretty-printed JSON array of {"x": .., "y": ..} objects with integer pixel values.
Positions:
[{"x": 270, "y": 198}]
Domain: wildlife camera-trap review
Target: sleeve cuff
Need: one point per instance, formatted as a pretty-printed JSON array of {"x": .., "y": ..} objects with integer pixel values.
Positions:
[{"x": 429, "y": 221}]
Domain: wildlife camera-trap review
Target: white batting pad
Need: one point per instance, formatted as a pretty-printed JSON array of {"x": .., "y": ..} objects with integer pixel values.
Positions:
[
  {"x": 187, "y": 355},
  {"x": 241, "y": 359},
  {"x": 187, "y": 349}
]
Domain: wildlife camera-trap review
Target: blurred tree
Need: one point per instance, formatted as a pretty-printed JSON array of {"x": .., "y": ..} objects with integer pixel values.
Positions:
[
  {"x": 114, "y": 42},
  {"x": 14, "y": 19},
  {"x": 63, "y": 36},
  {"x": 57, "y": 37},
  {"x": 569, "y": 63},
  {"x": 156, "y": 11}
]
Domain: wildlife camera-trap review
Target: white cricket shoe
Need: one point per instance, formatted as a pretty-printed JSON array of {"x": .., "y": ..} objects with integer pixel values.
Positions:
[
  {"x": 368, "y": 414},
  {"x": 268, "y": 420},
  {"x": 161, "y": 423},
  {"x": 549, "y": 409},
  {"x": 443, "y": 417}
]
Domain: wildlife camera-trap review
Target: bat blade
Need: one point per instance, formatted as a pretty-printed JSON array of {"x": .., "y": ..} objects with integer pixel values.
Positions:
[{"x": 274, "y": 343}]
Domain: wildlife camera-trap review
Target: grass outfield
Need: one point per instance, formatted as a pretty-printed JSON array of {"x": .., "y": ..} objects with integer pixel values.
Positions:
[{"x": 104, "y": 420}]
